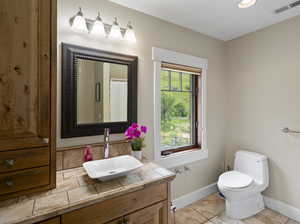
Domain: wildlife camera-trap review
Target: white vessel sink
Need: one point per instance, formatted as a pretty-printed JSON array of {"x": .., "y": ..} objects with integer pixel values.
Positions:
[{"x": 107, "y": 169}]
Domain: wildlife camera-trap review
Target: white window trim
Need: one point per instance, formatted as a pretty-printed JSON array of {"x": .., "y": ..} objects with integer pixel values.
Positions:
[{"x": 177, "y": 159}]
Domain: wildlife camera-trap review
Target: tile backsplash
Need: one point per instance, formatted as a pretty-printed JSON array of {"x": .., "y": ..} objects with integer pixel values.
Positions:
[{"x": 72, "y": 157}]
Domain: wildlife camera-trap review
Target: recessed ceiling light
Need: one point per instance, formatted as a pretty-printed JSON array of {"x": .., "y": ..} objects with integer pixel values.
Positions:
[{"x": 246, "y": 3}]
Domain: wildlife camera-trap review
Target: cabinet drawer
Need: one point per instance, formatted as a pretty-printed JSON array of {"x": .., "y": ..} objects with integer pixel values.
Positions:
[
  {"x": 114, "y": 208},
  {"x": 23, "y": 180},
  {"x": 23, "y": 159}
]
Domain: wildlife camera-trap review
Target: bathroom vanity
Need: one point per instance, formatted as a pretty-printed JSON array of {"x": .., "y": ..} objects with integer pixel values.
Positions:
[{"x": 141, "y": 197}]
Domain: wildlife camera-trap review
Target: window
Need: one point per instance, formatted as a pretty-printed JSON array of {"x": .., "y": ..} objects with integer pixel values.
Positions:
[
  {"x": 182, "y": 78},
  {"x": 179, "y": 87}
]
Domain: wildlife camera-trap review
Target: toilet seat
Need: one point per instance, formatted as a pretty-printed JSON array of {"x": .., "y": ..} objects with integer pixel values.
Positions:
[{"x": 235, "y": 180}]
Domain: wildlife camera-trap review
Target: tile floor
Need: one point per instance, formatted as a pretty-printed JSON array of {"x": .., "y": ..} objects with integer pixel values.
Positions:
[{"x": 211, "y": 210}]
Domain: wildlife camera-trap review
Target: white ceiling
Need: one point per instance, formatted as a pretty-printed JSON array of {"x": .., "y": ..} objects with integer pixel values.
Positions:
[{"x": 221, "y": 19}]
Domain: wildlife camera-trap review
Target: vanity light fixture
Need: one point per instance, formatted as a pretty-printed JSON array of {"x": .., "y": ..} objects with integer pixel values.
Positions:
[
  {"x": 129, "y": 34},
  {"x": 98, "y": 27},
  {"x": 115, "y": 31},
  {"x": 78, "y": 22},
  {"x": 246, "y": 3}
]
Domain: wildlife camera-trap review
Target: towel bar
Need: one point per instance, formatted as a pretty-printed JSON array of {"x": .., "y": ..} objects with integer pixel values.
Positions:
[{"x": 287, "y": 130}]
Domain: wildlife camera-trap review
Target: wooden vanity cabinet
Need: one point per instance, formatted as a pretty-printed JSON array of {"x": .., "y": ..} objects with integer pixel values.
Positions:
[
  {"x": 147, "y": 206},
  {"x": 27, "y": 96},
  {"x": 153, "y": 214}
]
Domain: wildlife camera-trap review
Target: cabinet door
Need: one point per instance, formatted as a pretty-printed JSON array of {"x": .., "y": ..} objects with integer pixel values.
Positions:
[
  {"x": 25, "y": 59},
  {"x": 155, "y": 214}
]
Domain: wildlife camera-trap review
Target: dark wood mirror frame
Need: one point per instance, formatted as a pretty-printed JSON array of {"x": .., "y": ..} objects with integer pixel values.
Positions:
[{"x": 69, "y": 126}]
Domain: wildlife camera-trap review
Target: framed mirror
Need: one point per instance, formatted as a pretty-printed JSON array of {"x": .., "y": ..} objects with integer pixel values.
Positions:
[{"x": 99, "y": 90}]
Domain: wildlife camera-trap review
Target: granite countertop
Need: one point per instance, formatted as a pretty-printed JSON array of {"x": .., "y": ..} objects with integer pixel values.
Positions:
[{"x": 76, "y": 190}]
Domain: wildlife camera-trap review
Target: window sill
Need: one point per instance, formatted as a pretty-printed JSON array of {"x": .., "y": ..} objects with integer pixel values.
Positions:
[{"x": 182, "y": 158}]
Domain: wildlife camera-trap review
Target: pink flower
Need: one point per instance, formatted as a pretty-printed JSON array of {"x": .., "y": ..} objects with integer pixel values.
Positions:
[
  {"x": 134, "y": 125},
  {"x": 137, "y": 133},
  {"x": 130, "y": 133},
  {"x": 144, "y": 129},
  {"x": 134, "y": 132}
]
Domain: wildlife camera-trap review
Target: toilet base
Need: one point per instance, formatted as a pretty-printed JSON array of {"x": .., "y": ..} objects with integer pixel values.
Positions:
[{"x": 241, "y": 209}]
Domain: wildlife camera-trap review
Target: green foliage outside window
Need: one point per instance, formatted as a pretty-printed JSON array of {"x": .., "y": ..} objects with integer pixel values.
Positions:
[{"x": 176, "y": 109}]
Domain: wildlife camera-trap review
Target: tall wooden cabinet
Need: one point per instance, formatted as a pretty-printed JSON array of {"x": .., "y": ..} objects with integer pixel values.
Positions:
[{"x": 27, "y": 96}]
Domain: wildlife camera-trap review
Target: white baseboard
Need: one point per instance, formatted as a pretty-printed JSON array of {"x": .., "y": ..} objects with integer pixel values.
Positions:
[
  {"x": 283, "y": 208},
  {"x": 195, "y": 196}
]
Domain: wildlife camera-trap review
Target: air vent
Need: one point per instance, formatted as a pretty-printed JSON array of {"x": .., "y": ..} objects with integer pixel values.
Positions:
[{"x": 287, "y": 7}]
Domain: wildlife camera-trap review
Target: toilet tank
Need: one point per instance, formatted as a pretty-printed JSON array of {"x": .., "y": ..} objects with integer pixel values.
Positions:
[{"x": 254, "y": 165}]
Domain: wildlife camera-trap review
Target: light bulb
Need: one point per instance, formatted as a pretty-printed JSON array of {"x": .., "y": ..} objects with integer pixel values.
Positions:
[
  {"x": 129, "y": 34},
  {"x": 79, "y": 24},
  {"x": 98, "y": 27},
  {"x": 115, "y": 31},
  {"x": 246, "y": 3}
]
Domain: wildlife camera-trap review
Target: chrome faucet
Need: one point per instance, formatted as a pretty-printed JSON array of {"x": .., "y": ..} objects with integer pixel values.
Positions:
[{"x": 106, "y": 143}]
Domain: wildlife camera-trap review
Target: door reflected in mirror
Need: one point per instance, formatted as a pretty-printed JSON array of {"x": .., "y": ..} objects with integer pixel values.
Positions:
[{"x": 101, "y": 92}]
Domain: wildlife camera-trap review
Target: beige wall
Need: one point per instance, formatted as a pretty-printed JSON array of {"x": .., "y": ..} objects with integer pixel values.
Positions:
[
  {"x": 151, "y": 32},
  {"x": 264, "y": 96},
  {"x": 253, "y": 91}
]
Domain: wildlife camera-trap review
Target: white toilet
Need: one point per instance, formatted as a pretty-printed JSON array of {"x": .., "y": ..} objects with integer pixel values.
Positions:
[{"x": 242, "y": 187}]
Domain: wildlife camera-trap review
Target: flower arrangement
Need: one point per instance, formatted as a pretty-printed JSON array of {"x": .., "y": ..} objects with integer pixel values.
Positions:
[{"x": 136, "y": 134}]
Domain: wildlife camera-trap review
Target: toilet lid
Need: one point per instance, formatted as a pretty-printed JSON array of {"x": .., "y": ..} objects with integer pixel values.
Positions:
[{"x": 235, "y": 179}]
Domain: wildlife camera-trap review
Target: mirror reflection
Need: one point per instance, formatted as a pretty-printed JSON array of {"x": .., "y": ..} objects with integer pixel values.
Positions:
[{"x": 101, "y": 92}]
